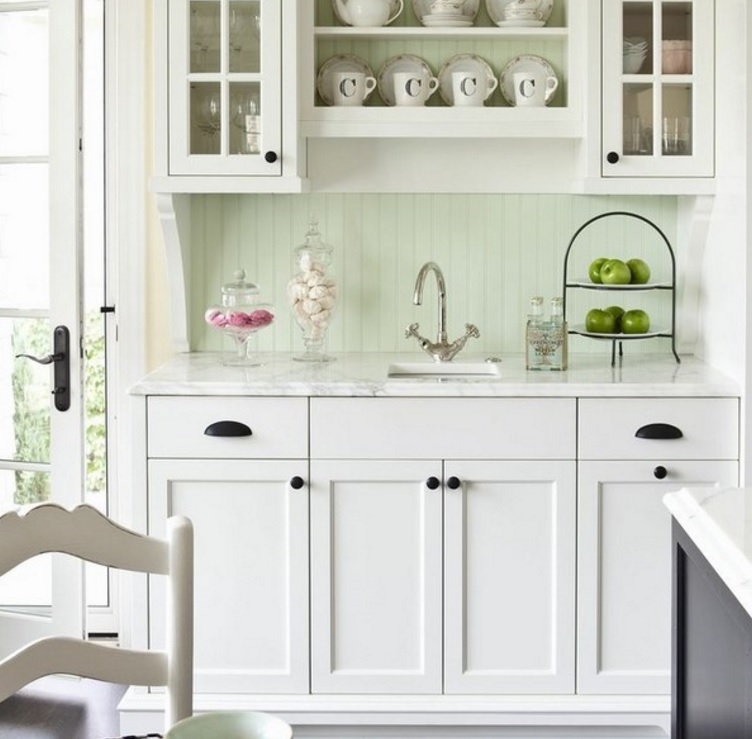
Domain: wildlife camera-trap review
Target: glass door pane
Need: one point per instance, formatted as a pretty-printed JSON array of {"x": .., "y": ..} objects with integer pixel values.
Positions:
[
  {"x": 677, "y": 120},
  {"x": 204, "y": 29},
  {"x": 245, "y": 36},
  {"x": 638, "y": 119}
]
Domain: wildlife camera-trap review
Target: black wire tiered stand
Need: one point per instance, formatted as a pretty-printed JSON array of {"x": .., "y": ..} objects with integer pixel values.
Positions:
[{"x": 585, "y": 284}]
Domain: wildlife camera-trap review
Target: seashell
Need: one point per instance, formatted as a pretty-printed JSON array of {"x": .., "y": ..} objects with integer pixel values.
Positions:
[
  {"x": 317, "y": 292},
  {"x": 311, "y": 306}
]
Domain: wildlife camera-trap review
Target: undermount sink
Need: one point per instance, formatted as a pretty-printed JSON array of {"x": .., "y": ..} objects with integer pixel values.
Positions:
[{"x": 444, "y": 370}]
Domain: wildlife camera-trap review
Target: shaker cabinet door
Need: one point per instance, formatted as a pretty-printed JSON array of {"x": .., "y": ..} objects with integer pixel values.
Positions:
[
  {"x": 624, "y": 561},
  {"x": 376, "y": 576},
  {"x": 250, "y": 520},
  {"x": 509, "y": 577}
]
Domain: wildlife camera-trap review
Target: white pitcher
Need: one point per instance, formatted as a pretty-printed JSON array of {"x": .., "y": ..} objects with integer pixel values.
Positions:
[{"x": 367, "y": 12}]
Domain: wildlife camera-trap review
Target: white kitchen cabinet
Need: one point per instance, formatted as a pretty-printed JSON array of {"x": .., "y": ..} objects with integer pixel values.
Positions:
[
  {"x": 225, "y": 99},
  {"x": 509, "y": 573},
  {"x": 658, "y": 111},
  {"x": 248, "y": 500},
  {"x": 507, "y": 557},
  {"x": 376, "y": 572},
  {"x": 559, "y": 43},
  {"x": 624, "y": 552}
]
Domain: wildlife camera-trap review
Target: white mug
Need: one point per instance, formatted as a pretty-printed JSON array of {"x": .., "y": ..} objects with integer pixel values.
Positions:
[
  {"x": 533, "y": 88},
  {"x": 471, "y": 88},
  {"x": 413, "y": 88},
  {"x": 351, "y": 88}
]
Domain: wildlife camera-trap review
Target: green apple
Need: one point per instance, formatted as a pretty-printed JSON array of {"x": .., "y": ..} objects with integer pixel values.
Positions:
[
  {"x": 599, "y": 321},
  {"x": 615, "y": 272},
  {"x": 639, "y": 270},
  {"x": 635, "y": 322},
  {"x": 594, "y": 270},
  {"x": 617, "y": 312}
]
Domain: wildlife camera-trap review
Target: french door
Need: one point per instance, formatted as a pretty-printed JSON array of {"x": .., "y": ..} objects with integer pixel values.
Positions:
[{"x": 43, "y": 454}]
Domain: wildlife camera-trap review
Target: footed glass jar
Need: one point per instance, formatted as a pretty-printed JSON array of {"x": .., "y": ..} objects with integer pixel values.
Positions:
[
  {"x": 241, "y": 316},
  {"x": 313, "y": 294}
]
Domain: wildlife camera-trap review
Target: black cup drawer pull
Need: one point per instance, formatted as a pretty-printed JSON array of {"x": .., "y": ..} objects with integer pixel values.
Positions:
[
  {"x": 227, "y": 428},
  {"x": 658, "y": 431}
]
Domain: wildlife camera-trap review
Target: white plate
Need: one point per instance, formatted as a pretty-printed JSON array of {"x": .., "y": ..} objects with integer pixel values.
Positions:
[
  {"x": 400, "y": 63},
  {"x": 443, "y": 22},
  {"x": 392, "y": 10},
  {"x": 495, "y": 9},
  {"x": 523, "y": 63},
  {"x": 588, "y": 283},
  {"x": 339, "y": 63},
  {"x": 580, "y": 329},
  {"x": 422, "y": 8},
  {"x": 521, "y": 24},
  {"x": 461, "y": 63}
]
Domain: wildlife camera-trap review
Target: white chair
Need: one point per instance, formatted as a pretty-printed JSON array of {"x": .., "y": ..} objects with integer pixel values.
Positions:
[
  {"x": 232, "y": 725},
  {"x": 86, "y": 533}
]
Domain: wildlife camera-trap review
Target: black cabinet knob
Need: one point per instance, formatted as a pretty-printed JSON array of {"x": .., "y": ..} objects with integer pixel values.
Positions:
[
  {"x": 271, "y": 157},
  {"x": 432, "y": 483},
  {"x": 297, "y": 482},
  {"x": 660, "y": 472},
  {"x": 453, "y": 482},
  {"x": 612, "y": 157}
]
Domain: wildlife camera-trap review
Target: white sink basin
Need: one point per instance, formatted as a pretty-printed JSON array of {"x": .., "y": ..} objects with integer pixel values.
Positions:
[{"x": 444, "y": 370}]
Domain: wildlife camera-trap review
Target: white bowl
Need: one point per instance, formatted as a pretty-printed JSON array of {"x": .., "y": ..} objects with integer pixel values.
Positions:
[
  {"x": 633, "y": 63},
  {"x": 231, "y": 725}
]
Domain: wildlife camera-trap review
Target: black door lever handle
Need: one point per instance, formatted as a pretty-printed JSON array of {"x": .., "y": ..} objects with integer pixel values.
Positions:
[{"x": 60, "y": 357}]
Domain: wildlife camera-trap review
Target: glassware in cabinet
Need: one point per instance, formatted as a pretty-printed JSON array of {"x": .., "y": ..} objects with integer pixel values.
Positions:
[{"x": 657, "y": 88}]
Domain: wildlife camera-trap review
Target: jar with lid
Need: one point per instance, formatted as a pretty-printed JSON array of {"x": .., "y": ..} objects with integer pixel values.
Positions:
[
  {"x": 241, "y": 316},
  {"x": 312, "y": 293}
]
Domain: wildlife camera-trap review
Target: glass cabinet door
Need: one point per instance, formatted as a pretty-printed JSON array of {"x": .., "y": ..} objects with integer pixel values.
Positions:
[
  {"x": 657, "y": 88},
  {"x": 225, "y": 87}
]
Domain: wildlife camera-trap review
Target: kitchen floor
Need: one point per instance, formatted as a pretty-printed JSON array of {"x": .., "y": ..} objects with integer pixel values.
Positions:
[{"x": 62, "y": 708}]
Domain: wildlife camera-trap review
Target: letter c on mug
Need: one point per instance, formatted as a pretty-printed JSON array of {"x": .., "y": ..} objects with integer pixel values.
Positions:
[
  {"x": 527, "y": 88},
  {"x": 469, "y": 86},
  {"x": 412, "y": 87},
  {"x": 347, "y": 87}
]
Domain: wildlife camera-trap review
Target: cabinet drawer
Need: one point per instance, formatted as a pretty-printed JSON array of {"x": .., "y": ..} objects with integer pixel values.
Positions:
[
  {"x": 438, "y": 428},
  {"x": 709, "y": 428},
  {"x": 177, "y": 427}
]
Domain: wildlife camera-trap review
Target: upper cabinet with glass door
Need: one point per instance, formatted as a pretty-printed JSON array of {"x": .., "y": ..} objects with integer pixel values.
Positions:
[
  {"x": 224, "y": 87},
  {"x": 657, "y": 88}
]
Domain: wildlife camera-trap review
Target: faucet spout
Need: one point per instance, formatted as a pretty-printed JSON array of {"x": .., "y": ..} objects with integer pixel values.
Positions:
[
  {"x": 440, "y": 350},
  {"x": 441, "y": 288}
]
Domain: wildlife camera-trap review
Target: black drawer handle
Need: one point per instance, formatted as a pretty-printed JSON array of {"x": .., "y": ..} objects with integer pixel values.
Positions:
[
  {"x": 658, "y": 431},
  {"x": 432, "y": 483},
  {"x": 227, "y": 428},
  {"x": 660, "y": 472},
  {"x": 453, "y": 483},
  {"x": 297, "y": 482}
]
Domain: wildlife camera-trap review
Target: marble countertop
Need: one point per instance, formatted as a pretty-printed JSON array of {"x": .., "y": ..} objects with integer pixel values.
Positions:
[
  {"x": 365, "y": 375},
  {"x": 719, "y": 522}
]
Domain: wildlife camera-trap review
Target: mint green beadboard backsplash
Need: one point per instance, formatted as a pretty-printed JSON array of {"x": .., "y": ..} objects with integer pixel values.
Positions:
[{"x": 496, "y": 251}]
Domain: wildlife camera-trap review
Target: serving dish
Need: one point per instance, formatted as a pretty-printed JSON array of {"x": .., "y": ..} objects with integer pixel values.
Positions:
[
  {"x": 524, "y": 63},
  {"x": 463, "y": 63},
  {"x": 393, "y": 11},
  {"x": 339, "y": 63},
  {"x": 399, "y": 63}
]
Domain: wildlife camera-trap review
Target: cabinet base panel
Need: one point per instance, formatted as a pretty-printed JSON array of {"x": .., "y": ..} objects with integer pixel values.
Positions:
[{"x": 442, "y": 717}]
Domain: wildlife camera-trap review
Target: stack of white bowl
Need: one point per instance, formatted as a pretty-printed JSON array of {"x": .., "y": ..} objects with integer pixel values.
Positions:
[{"x": 635, "y": 51}]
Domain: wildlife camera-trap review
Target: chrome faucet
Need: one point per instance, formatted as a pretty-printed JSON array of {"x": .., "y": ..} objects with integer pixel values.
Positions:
[{"x": 441, "y": 350}]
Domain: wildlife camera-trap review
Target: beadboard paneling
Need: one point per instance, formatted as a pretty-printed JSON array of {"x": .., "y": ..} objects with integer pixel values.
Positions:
[{"x": 496, "y": 251}]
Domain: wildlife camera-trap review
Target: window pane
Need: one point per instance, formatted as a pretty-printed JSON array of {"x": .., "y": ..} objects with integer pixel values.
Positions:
[
  {"x": 24, "y": 235},
  {"x": 25, "y": 397},
  {"x": 23, "y": 97}
]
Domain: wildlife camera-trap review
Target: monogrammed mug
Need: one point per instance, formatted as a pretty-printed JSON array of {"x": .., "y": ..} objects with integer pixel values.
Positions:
[{"x": 351, "y": 88}]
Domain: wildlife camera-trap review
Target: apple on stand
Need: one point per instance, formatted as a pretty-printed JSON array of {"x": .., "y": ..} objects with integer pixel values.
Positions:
[
  {"x": 599, "y": 321},
  {"x": 617, "y": 312},
  {"x": 639, "y": 270},
  {"x": 615, "y": 272},
  {"x": 594, "y": 270},
  {"x": 635, "y": 321}
]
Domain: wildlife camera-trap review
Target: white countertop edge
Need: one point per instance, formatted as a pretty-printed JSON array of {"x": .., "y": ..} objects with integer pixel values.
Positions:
[
  {"x": 364, "y": 375},
  {"x": 731, "y": 565}
]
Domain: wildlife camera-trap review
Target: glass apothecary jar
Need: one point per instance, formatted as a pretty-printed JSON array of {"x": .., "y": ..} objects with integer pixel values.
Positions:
[
  {"x": 241, "y": 316},
  {"x": 312, "y": 293}
]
